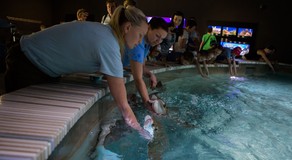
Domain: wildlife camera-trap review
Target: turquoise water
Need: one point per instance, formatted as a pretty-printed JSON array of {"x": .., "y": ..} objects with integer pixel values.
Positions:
[{"x": 243, "y": 118}]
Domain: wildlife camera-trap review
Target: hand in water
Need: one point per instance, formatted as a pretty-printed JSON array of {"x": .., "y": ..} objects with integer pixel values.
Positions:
[
  {"x": 145, "y": 134},
  {"x": 156, "y": 106},
  {"x": 135, "y": 125},
  {"x": 149, "y": 105}
]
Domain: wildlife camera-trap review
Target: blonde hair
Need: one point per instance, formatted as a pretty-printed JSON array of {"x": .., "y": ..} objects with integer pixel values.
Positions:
[{"x": 122, "y": 15}]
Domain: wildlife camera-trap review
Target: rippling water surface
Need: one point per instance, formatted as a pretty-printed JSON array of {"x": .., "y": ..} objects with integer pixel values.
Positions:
[{"x": 242, "y": 118}]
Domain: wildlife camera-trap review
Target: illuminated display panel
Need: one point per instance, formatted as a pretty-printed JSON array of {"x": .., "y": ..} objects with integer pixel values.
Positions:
[
  {"x": 229, "y": 31},
  {"x": 245, "y": 32},
  {"x": 216, "y": 30},
  {"x": 231, "y": 45}
]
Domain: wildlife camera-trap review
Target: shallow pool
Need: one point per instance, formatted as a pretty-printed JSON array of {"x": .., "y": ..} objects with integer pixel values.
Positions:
[{"x": 242, "y": 118}]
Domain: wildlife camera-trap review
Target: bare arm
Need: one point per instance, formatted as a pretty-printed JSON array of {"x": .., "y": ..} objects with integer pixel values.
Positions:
[
  {"x": 118, "y": 91},
  {"x": 137, "y": 71},
  {"x": 150, "y": 75},
  {"x": 201, "y": 44},
  {"x": 261, "y": 53}
]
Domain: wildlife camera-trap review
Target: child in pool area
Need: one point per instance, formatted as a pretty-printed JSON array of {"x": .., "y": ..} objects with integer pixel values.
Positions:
[
  {"x": 264, "y": 52},
  {"x": 229, "y": 55},
  {"x": 205, "y": 56},
  {"x": 262, "y": 55}
]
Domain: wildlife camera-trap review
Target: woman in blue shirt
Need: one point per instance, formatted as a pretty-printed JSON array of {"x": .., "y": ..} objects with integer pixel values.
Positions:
[{"x": 135, "y": 58}]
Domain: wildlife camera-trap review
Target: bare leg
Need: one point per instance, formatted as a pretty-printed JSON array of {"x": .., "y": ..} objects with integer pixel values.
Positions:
[
  {"x": 230, "y": 67},
  {"x": 206, "y": 68},
  {"x": 199, "y": 68},
  {"x": 234, "y": 65}
]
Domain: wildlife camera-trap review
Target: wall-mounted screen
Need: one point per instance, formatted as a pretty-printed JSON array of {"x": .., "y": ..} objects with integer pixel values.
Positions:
[
  {"x": 231, "y": 45},
  {"x": 229, "y": 31},
  {"x": 245, "y": 32},
  {"x": 216, "y": 30}
]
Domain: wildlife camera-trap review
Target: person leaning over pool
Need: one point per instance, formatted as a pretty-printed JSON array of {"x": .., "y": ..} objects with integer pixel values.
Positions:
[
  {"x": 135, "y": 58},
  {"x": 79, "y": 46},
  {"x": 265, "y": 54},
  {"x": 229, "y": 55}
]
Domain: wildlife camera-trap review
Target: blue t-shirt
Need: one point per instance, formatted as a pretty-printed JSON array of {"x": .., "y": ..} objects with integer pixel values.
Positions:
[
  {"x": 138, "y": 53},
  {"x": 74, "y": 47}
]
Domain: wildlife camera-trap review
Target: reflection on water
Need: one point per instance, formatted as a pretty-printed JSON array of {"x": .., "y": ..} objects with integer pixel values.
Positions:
[{"x": 219, "y": 118}]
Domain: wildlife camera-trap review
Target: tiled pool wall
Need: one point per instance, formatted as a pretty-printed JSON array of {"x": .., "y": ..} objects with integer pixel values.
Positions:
[
  {"x": 242, "y": 69},
  {"x": 87, "y": 129}
]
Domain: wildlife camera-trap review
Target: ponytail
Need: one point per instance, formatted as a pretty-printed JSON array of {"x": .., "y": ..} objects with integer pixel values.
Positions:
[{"x": 122, "y": 15}]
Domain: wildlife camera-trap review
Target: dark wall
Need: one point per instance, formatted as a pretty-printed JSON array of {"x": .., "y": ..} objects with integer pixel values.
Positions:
[
  {"x": 39, "y": 11},
  {"x": 266, "y": 14},
  {"x": 65, "y": 8}
]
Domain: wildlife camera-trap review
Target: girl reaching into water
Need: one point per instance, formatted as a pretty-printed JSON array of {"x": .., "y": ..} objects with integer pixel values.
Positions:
[{"x": 47, "y": 55}]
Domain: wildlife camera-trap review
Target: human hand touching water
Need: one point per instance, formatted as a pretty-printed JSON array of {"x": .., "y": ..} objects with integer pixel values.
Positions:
[{"x": 131, "y": 120}]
